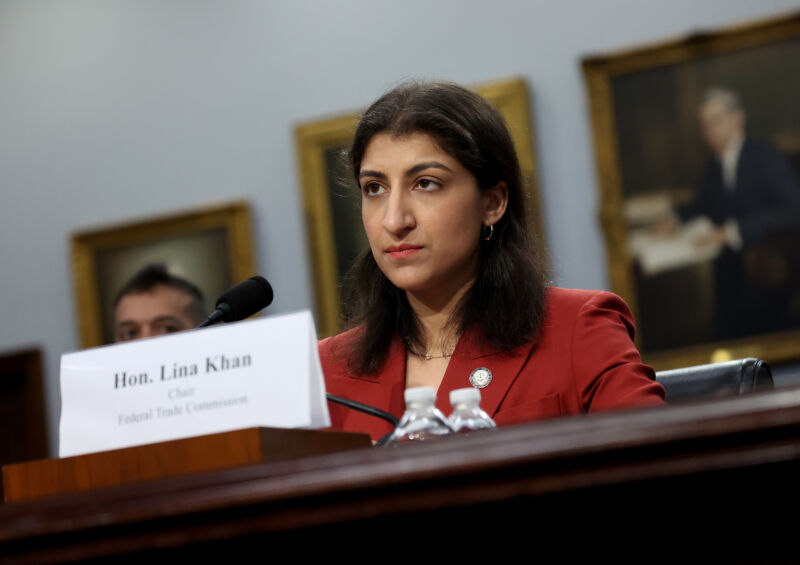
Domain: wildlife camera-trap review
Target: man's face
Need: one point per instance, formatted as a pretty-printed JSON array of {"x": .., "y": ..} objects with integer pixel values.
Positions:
[
  {"x": 720, "y": 125},
  {"x": 161, "y": 310}
]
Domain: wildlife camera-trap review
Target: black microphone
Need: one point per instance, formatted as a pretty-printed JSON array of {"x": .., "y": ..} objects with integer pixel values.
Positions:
[
  {"x": 365, "y": 408},
  {"x": 241, "y": 301}
]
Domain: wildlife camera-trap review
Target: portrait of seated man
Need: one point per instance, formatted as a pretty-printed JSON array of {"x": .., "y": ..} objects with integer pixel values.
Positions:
[
  {"x": 154, "y": 302},
  {"x": 752, "y": 196}
]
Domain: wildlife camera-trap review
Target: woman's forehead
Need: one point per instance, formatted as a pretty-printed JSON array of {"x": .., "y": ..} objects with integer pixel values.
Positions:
[{"x": 388, "y": 149}]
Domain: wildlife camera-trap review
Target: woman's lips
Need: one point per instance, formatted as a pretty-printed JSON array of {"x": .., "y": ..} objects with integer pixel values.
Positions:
[{"x": 402, "y": 251}]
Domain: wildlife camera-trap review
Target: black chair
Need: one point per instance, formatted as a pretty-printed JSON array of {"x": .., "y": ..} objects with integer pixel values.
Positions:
[{"x": 729, "y": 378}]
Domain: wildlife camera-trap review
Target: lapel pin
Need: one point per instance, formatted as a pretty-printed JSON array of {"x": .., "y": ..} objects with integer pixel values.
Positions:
[{"x": 480, "y": 377}]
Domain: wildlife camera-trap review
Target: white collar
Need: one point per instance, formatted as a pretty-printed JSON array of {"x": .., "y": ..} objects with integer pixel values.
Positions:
[{"x": 731, "y": 153}]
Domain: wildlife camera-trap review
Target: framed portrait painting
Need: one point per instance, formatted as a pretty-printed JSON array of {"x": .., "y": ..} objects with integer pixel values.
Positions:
[
  {"x": 332, "y": 199},
  {"x": 210, "y": 247},
  {"x": 697, "y": 145}
]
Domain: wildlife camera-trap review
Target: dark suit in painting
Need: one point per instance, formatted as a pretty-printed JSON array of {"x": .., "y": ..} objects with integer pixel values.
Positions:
[{"x": 764, "y": 200}]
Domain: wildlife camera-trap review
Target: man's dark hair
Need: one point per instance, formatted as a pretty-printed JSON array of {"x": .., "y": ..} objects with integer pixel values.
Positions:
[
  {"x": 506, "y": 303},
  {"x": 154, "y": 274}
]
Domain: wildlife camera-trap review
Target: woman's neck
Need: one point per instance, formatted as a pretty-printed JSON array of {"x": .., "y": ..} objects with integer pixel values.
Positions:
[{"x": 434, "y": 313}]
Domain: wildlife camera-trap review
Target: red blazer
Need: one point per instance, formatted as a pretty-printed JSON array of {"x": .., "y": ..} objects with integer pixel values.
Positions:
[{"x": 585, "y": 362}]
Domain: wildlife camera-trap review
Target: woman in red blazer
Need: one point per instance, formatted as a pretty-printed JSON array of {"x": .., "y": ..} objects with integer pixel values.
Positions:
[{"x": 451, "y": 292}]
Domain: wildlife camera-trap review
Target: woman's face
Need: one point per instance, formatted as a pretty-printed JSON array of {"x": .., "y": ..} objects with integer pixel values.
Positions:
[{"x": 423, "y": 214}]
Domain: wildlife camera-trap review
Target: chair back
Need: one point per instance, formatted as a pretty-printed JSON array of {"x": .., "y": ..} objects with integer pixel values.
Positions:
[{"x": 729, "y": 378}]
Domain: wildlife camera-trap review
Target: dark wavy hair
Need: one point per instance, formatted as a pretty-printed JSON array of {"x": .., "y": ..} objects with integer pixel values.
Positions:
[{"x": 506, "y": 302}]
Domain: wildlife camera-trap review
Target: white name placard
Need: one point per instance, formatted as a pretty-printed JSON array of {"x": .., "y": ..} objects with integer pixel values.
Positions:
[{"x": 262, "y": 372}]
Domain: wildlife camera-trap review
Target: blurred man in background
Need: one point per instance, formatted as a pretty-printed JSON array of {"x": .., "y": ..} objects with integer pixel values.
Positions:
[
  {"x": 154, "y": 302},
  {"x": 751, "y": 194},
  {"x": 749, "y": 189}
]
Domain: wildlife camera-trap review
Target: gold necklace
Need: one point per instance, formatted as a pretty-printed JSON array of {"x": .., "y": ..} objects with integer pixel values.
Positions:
[{"x": 426, "y": 356}]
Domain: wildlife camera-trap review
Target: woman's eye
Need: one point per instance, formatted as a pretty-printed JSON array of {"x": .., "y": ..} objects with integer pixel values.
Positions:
[
  {"x": 373, "y": 189},
  {"x": 428, "y": 184}
]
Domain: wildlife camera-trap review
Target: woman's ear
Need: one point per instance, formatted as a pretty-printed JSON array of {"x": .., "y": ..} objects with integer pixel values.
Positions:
[{"x": 495, "y": 201}]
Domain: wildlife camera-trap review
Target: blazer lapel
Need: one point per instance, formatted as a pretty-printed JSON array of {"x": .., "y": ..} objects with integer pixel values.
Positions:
[
  {"x": 383, "y": 390},
  {"x": 470, "y": 354},
  {"x": 394, "y": 377}
]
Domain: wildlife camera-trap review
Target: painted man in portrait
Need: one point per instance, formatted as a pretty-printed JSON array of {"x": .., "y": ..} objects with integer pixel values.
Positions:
[{"x": 752, "y": 196}]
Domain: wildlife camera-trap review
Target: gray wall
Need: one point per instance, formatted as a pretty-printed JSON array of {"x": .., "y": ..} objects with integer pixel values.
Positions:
[{"x": 117, "y": 109}]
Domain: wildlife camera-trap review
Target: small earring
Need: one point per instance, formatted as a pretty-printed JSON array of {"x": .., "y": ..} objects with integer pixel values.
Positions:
[{"x": 487, "y": 235}]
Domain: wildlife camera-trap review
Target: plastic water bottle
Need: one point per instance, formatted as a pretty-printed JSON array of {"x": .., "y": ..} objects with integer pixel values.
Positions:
[
  {"x": 467, "y": 415},
  {"x": 422, "y": 420}
]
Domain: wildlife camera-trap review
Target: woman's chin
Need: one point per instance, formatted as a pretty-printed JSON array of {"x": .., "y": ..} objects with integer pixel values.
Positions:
[{"x": 408, "y": 285}]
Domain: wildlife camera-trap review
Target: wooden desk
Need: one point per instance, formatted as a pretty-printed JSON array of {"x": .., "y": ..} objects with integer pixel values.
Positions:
[{"x": 717, "y": 472}]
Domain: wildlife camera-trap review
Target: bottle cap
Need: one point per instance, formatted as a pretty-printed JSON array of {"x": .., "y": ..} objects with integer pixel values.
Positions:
[
  {"x": 420, "y": 394},
  {"x": 465, "y": 395}
]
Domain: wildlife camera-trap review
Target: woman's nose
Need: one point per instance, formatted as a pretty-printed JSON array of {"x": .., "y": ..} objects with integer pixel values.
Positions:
[{"x": 399, "y": 217}]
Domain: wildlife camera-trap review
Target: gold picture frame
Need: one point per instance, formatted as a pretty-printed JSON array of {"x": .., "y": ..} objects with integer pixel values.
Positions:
[
  {"x": 649, "y": 150},
  {"x": 210, "y": 246},
  {"x": 334, "y": 222}
]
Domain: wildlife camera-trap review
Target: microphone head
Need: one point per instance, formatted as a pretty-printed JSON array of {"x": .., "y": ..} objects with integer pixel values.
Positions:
[{"x": 245, "y": 299}]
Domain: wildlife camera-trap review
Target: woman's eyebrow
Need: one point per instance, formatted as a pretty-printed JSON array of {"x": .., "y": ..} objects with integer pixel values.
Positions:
[
  {"x": 410, "y": 172},
  {"x": 376, "y": 174},
  {"x": 427, "y": 165}
]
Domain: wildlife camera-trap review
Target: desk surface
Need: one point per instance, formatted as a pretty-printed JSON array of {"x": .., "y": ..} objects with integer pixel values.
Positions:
[{"x": 723, "y": 463}]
